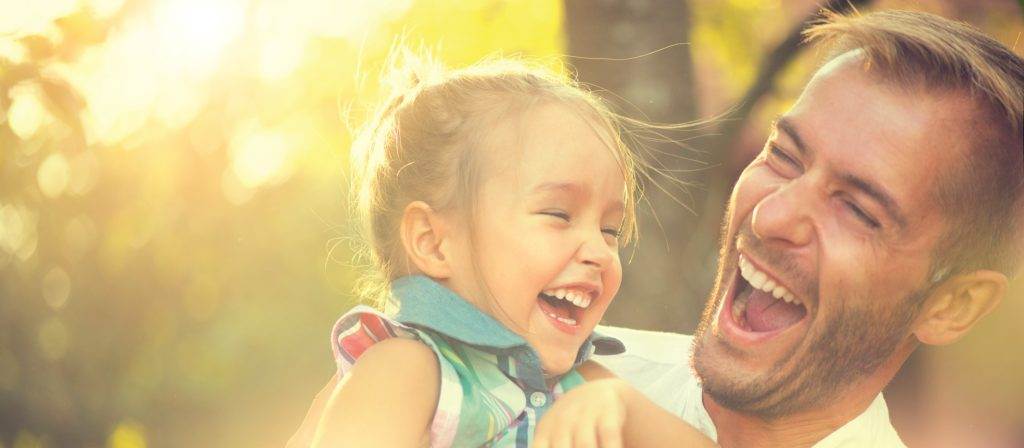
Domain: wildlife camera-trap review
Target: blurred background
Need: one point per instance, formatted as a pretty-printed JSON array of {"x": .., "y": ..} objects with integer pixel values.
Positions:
[{"x": 173, "y": 175}]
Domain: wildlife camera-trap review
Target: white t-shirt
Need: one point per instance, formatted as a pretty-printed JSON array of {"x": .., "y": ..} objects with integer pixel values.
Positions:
[{"x": 658, "y": 364}]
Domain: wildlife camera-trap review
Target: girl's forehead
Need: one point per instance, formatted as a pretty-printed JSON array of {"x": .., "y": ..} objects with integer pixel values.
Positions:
[
  {"x": 551, "y": 144},
  {"x": 550, "y": 134}
]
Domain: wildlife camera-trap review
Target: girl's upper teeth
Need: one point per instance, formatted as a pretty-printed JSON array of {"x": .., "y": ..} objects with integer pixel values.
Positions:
[
  {"x": 578, "y": 298},
  {"x": 760, "y": 280}
]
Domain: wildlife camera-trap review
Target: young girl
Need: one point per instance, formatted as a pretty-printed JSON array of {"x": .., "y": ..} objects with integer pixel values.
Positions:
[{"x": 494, "y": 200}]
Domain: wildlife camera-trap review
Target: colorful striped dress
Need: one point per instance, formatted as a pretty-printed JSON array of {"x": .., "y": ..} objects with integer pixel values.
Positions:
[{"x": 493, "y": 391}]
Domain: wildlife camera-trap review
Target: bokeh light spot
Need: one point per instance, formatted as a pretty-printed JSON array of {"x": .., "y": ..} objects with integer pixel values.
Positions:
[
  {"x": 84, "y": 173},
  {"x": 13, "y": 51},
  {"x": 261, "y": 157},
  {"x": 199, "y": 29},
  {"x": 105, "y": 8},
  {"x": 79, "y": 237},
  {"x": 20, "y": 17},
  {"x": 233, "y": 190},
  {"x": 178, "y": 105},
  {"x": 53, "y": 338},
  {"x": 56, "y": 287},
  {"x": 27, "y": 113},
  {"x": 127, "y": 435},
  {"x": 17, "y": 231},
  {"x": 54, "y": 174},
  {"x": 280, "y": 57}
]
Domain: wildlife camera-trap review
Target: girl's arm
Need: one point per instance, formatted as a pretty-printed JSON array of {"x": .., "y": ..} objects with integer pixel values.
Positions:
[
  {"x": 303, "y": 437},
  {"x": 387, "y": 399},
  {"x": 608, "y": 412}
]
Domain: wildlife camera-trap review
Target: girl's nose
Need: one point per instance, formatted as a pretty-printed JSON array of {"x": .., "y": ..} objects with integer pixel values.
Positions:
[{"x": 595, "y": 251}]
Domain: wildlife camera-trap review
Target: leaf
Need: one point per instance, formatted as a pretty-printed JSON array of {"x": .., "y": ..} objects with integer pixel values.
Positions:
[
  {"x": 38, "y": 47},
  {"x": 83, "y": 28}
]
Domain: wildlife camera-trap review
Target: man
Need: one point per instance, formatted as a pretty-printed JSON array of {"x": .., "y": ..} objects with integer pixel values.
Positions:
[{"x": 884, "y": 212}]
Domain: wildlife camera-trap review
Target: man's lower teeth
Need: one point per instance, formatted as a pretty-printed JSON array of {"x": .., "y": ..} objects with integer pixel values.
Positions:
[{"x": 739, "y": 308}]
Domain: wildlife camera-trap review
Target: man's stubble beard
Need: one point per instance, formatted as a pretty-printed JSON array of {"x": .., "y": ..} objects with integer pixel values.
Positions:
[{"x": 852, "y": 345}]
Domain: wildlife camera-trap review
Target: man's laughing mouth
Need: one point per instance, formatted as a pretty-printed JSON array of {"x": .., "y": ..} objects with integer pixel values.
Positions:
[{"x": 759, "y": 306}]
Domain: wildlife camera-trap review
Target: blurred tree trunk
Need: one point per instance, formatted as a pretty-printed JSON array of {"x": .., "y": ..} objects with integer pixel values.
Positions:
[{"x": 609, "y": 45}]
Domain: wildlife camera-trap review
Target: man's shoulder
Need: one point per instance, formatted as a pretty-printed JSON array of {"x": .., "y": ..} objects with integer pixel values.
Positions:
[
  {"x": 871, "y": 428},
  {"x": 658, "y": 365},
  {"x": 655, "y": 362},
  {"x": 653, "y": 346}
]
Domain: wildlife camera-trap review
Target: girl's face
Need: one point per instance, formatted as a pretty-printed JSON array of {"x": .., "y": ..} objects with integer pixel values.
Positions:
[{"x": 543, "y": 256}]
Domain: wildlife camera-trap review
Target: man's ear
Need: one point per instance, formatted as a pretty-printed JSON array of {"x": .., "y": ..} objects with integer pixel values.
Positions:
[
  {"x": 423, "y": 232},
  {"x": 958, "y": 304}
]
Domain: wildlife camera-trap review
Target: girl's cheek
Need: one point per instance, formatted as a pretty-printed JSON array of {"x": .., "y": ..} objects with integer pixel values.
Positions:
[{"x": 613, "y": 276}]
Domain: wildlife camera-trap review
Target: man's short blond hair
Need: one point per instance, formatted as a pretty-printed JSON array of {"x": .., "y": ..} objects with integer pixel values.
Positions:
[{"x": 984, "y": 197}]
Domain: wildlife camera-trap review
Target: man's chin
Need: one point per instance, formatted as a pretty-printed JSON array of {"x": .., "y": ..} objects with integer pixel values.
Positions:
[
  {"x": 747, "y": 396},
  {"x": 751, "y": 389}
]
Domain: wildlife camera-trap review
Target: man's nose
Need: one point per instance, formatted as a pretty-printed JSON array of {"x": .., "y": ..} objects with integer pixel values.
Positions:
[{"x": 786, "y": 216}]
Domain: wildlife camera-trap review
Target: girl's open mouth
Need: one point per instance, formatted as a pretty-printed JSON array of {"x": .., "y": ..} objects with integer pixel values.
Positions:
[{"x": 564, "y": 307}]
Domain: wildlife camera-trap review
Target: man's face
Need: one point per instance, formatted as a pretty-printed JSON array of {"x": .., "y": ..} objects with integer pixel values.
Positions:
[{"x": 828, "y": 244}]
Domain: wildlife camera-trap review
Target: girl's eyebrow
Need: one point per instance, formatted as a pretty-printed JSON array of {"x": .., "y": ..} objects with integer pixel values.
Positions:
[
  {"x": 572, "y": 189},
  {"x": 617, "y": 207},
  {"x": 576, "y": 191}
]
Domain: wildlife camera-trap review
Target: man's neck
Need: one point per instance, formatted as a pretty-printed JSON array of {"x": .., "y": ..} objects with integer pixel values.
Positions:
[{"x": 738, "y": 429}]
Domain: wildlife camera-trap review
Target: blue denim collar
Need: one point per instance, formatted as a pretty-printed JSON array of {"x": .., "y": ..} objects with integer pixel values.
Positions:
[{"x": 424, "y": 303}]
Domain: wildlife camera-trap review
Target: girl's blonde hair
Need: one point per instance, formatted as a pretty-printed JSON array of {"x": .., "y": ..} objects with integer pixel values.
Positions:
[{"x": 422, "y": 145}]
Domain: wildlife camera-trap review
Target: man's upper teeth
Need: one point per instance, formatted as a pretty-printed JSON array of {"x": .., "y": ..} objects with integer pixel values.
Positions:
[
  {"x": 760, "y": 280},
  {"x": 578, "y": 298}
]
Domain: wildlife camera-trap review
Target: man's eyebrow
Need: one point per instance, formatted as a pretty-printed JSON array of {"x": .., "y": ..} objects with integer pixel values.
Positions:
[
  {"x": 869, "y": 188},
  {"x": 785, "y": 125},
  {"x": 878, "y": 194}
]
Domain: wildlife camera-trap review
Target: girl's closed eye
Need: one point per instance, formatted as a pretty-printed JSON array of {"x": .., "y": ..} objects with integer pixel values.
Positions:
[
  {"x": 560, "y": 214},
  {"x": 611, "y": 236},
  {"x": 613, "y": 233}
]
